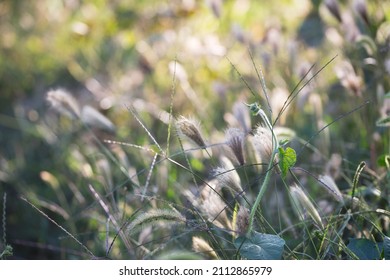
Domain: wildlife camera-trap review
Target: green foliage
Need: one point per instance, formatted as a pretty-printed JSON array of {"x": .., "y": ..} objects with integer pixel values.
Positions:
[
  {"x": 386, "y": 248},
  {"x": 365, "y": 249},
  {"x": 152, "y": 190},
  {"x": 287, "y": 159},
  {"x": 260, "y": 246}
]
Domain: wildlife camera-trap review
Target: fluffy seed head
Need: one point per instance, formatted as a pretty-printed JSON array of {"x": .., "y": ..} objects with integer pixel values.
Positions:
[
  {"x": 211, "y": 205},
  {"x": 200, "y": 245},
  {"x": 190, "y": 128},
  {"x": 303, "y": 204},
  {"x": 242, "y": 222},
  {"x": 153, "y": 217},
  {"x": 227, "y": 176},
  {"x": 262, "y": 140},
  {"x": 63, "y": 102},
  {"x": 235, "y": 140},
  {"x": 349, "y": 79}
]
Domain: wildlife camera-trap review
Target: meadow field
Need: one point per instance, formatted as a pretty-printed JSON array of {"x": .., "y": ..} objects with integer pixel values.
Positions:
[{"x": 191, "y": 130}]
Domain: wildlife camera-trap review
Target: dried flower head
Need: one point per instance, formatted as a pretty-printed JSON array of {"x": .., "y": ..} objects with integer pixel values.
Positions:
[
  {"x": 302, "y": 204},
  {"x": 330, "y": 186},
  {"x": 262, "y": 140},
  {"x": 190, "y": 128},
  {"x": 235, "y": 141},
  {"x": 211, "y": 205},
  {"x": 200, "y": 245},
  {"x": 62, "y": 101},
  {"x": 227, "y": 176},
  {"x": 242, "y": 222}
]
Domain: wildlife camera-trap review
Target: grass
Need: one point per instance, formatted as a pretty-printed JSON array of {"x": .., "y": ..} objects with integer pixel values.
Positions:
[{"x": 202, "y": 155}]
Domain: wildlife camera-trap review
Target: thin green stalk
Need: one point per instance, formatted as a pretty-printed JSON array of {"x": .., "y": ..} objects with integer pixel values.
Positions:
[
  {"x": 264, "y": 185},
  {"x": 260, "y": 195}
]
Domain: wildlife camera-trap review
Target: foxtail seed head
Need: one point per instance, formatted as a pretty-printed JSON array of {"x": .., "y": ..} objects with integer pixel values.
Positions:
[
  {"x": 200, "y": 245},
  {"x": 227, "y": 176},
  {"x": 242, "y": 222},
  {"x": 303, "y": 204},
  {"x": 262, "y": 140},
  {"x": 190, "y": 128},
  {"x": 235, "y": 140}
]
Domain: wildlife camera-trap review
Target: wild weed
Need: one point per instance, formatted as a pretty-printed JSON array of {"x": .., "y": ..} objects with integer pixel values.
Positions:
[{"x": 299, "y": 170}]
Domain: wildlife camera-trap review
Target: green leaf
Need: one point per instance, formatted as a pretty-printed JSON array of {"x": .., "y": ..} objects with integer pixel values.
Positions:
[
  {"x": 365, "y": 249},
  {"x": 386, "y": 247},
  {"x": 287, "y": 160},
  {"x": 260, "y": 246}
]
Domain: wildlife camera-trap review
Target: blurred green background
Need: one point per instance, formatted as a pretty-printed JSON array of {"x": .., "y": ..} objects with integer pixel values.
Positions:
[{"x": 115, "y": 54}]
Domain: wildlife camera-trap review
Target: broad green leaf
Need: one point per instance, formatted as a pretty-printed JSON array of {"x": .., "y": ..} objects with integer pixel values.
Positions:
[
  {"x": 365, "y": 249},
  {"x": 386, "y": 247},
  {"x": 260, "y": 246},
  {"x": 287, "y": 159}
]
